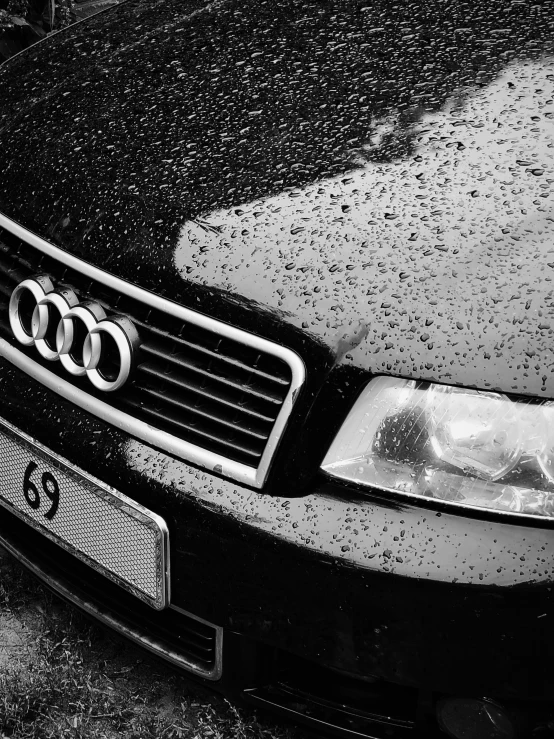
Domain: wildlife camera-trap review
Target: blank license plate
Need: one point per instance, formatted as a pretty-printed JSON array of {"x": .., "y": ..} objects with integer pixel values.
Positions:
[{"x": 114, "y": 535}]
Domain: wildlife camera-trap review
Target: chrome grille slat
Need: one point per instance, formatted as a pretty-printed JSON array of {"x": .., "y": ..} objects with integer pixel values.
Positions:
[
  {"x": 182, "y": 385},
  {"x": 204, "y": 434},
  {"x": 203, "y": 390},
  {"x": 177, "y": 405},
  {"x": 188, "y": 366},
  {"x": 184, "y": 345}
]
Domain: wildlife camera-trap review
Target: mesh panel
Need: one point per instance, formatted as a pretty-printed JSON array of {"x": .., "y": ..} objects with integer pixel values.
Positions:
[{"x": 107, "y": 530}]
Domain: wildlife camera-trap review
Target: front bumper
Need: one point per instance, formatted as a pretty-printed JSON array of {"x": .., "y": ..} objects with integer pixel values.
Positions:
[{"x": 355, "y": 611}]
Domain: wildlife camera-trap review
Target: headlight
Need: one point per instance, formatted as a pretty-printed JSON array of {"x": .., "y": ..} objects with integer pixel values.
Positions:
[{"x": 466, "y": 447}]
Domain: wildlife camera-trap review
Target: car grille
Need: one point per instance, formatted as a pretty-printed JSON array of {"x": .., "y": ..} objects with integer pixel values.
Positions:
[{"x": 199, "y": 385}]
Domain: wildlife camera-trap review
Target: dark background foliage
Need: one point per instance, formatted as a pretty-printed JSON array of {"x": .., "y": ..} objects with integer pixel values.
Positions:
[{"x": 23, "y": 22}]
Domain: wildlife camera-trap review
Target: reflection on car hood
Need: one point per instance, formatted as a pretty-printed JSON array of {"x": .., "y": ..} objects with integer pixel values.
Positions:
[{"x": 379, "y": 176}]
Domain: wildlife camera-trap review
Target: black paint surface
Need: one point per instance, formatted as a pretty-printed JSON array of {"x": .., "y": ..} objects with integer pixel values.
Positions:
[
  {"x": 379, "y": 175},
  {"x": 369, "y": 183}
]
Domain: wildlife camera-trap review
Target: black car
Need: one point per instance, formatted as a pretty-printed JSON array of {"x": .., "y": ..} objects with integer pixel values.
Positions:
[{"x": 276, "y": 338}]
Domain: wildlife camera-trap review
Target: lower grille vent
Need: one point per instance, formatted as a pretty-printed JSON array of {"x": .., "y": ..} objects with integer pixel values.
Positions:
[{"x": 174, "y": 635}]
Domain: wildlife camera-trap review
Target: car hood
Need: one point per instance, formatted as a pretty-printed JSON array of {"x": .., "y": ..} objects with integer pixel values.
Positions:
[{"x": 377, "y": 176}]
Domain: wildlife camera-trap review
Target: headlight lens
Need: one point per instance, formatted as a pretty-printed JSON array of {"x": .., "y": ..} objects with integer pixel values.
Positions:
[{"x": 466, "y": 447}]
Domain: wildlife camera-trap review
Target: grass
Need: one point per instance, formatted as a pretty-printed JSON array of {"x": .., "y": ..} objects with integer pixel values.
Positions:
[{"x": 69, "y": 677}]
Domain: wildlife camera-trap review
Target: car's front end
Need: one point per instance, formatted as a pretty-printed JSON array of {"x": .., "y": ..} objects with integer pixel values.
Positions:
[{"x": 276, "y": 350}]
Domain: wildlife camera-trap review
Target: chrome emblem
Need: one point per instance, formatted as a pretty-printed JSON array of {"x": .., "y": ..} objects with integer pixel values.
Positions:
[{"x": 78, "y": 334}]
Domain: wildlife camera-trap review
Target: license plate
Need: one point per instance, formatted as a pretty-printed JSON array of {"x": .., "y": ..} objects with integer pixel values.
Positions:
[{"x": 104, "y": 528}]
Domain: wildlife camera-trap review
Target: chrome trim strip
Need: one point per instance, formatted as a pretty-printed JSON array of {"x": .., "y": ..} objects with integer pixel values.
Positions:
[
  {"x": 144, "y": 640},
  {"x": 139, "y": 511},
  {"x": 254, "y": 476},
  {"x": 315, "y": 714}
]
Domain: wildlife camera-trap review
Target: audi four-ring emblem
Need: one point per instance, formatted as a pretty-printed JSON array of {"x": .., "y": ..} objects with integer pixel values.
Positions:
[{"x": 78, "y": 334}]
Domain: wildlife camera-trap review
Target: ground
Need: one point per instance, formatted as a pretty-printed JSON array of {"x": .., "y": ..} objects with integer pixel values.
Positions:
[{"x": 62, "y": 675}]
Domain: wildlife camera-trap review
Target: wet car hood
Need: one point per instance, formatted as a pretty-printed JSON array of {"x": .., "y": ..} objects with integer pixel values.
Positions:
[{"x": 376, "y": 175}]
